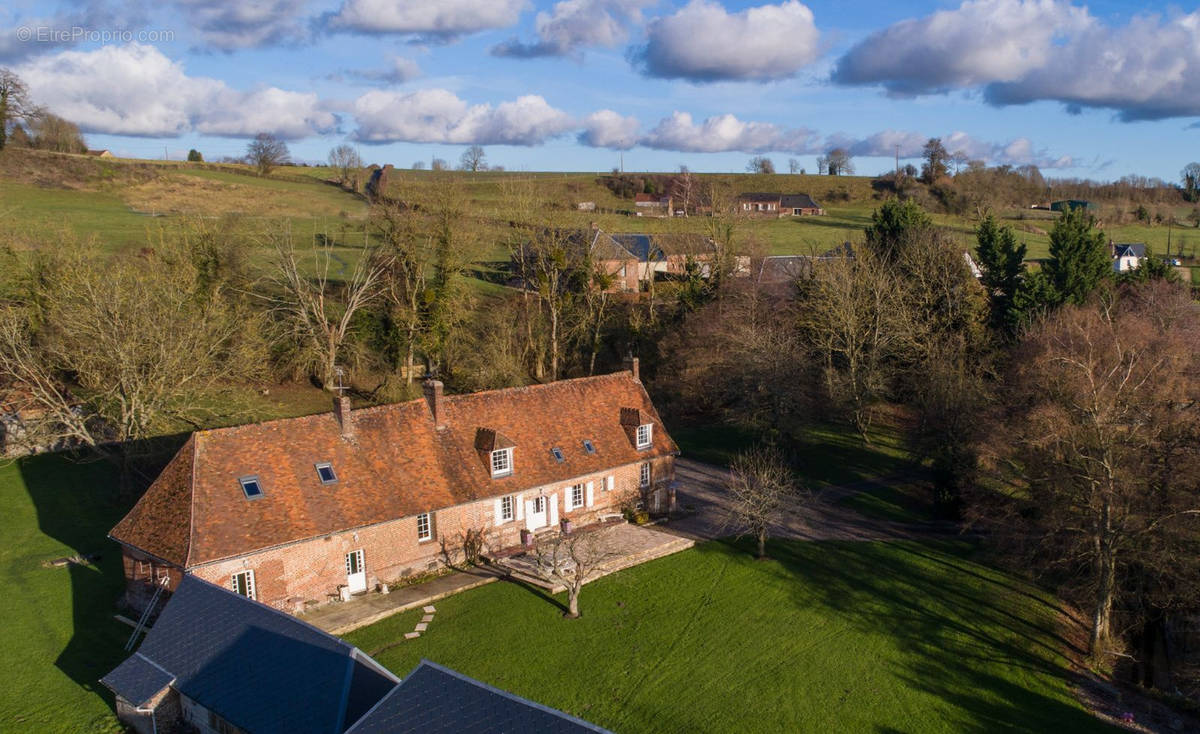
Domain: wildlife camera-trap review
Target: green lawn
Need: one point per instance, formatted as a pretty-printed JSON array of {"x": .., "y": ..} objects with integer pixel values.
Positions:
[
  {"x": 845, "y": 637},
  {"x": 58, "y": 635},
  {"x": 830, "y": 453}
]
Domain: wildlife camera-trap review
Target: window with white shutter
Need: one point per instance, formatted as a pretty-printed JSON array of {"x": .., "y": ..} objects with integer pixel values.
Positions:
[
  {"x": 591, "y": 495},
  {"x": 575, "y": 497}
]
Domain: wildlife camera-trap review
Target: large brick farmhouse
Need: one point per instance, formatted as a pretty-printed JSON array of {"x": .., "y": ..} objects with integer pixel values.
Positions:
[{"x": 306, "y": 510}]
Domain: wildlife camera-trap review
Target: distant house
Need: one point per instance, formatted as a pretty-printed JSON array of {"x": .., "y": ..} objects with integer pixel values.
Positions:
[
  {"x": 1128, "y": 256},
  {"x": 1066, "y": 205},
  {"x": 667, "y": 253},
  {"x": 216, "y": 662},
  {"x": 779, "y": 205},
  {"x": 800, "y": 205},
  {"x": 314, "y": 509},
  {"x": 652, "y": 205},
  {"x": 610, "y": 258},
  {"x": 100, "y": 153}
]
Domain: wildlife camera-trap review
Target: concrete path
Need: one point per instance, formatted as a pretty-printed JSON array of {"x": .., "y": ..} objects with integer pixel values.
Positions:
[
  {"x": 702, "y": 487},
  {"x": 339, "y": 618}
]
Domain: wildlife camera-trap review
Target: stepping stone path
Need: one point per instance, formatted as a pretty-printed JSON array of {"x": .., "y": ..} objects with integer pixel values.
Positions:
[{"x": 423, "y": 624}]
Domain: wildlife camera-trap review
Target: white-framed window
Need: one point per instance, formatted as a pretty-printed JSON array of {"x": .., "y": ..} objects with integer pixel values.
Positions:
[
  {"x": 424, "y": 527},
  {"x": 242, "y": 583},
  {"x": 507, "y": 508},
  {"x": 645, "y": 435},
  {"x": 576, "y": 496},
  {"x": 645, "y": 478},
  {"x": 502, "y": 462},
  {"x": 539, "y": 505}
]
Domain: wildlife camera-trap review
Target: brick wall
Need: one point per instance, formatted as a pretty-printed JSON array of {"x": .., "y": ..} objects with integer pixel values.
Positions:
[{"x": 292, "y": 576}]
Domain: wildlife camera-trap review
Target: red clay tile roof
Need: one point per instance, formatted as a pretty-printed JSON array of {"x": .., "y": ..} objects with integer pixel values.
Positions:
[{"x": 397, "y": 466}]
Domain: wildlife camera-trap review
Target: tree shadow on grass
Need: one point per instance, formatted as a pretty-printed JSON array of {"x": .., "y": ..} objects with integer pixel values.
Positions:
[
  {"x": 969, "y": 636},
  {"x": 77, "y": 501},
  {"x": 536, "y": 591}
]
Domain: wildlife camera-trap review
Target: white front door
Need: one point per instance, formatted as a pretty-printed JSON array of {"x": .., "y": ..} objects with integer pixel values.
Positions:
[
  {"x": 356, "y": 572},
  {"x": 535, "y": 513}
]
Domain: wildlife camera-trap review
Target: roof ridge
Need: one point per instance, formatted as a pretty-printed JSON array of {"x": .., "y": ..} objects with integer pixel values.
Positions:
[{"x": 194, "y": 442}]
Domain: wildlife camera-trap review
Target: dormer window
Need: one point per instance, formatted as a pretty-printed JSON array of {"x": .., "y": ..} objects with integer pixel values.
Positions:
[
  {"x": 645, "y": 435},
  {"x": 557, "y": 453},
  {"x": 325, "y": 473},
  {"x": 502, "y": 462},
  {"x": 251, "y": 487}
]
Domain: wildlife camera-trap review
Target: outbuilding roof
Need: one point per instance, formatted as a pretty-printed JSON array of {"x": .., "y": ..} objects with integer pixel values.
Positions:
[
  {"x": 397, "y": 465},
  {"x": 436, "y": 700},
  {"x": 256, "y": 667}
]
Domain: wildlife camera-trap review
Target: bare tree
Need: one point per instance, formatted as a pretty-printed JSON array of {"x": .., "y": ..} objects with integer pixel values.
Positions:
[
  {"x": 760, "y": 484},
  {"x": 418, "y": 165},
  {"x": 851, "y": 313},
  {"x": 760, "y": 164},
  {"x": 473, "y": 159},
  {"x": 1102, "y": 423},
  {"x": 126, "y": 348},
  {"x": 51, "y": 132},
  {"x": 15, "y": 103},
  {"x": 438, "y": 164},
  {"x": 316, "y": 319},
  {"x": 571, "y": 559},
  {"x": 839, "y": 162},
  {"x": 344, "y": 160},
  {"x": 266, "y": 152}
]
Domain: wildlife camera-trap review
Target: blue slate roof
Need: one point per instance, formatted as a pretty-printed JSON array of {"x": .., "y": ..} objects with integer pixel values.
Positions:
[
  {"x": 260, "y": 669},
  {"x": 640, "y": 245},
  {"x": 137, "y": 679},
  {"x": 1130, "y": 249},
  {"x": 435, "y": 699}
]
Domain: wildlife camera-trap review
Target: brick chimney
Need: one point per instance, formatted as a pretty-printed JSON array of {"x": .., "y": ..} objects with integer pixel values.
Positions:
[
  {"x": 341, "y": 409},
  {"x": 433, "y": 396},
  {"x": 634, "y": 365}
]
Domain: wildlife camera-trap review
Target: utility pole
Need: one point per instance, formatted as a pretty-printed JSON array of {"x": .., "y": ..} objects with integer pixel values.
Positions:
[{"x": 897, "y": 160}]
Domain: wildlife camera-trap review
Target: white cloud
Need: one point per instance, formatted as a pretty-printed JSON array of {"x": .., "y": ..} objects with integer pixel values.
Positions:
[
  {"x": 444, "y": 19},
  {"x": 398, "y": 71},
  {"x": 135, "y": 90},
  {"x": 726, "y": 133},
  {"x": 703, "y": 42},
  {"x": 1021, "y": 51},
  {"x": 438, "y": 116},
  {"x": 909, "y": 144},
  {"x": 607, "y": 129},
  {"x": 247, "y": 23},
  {"x": 574, "y": 24}
]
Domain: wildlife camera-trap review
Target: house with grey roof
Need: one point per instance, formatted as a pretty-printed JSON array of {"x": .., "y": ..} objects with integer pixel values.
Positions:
[{"x": 1128, "y": 256}]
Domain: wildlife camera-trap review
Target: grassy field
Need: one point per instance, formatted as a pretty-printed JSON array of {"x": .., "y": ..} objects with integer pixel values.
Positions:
[
  {"x": 845, "y": 637},
  {"x": 826, "y": 454},
  {"x": 58, "y": 635},
  {"x": 121, "y": 200}
]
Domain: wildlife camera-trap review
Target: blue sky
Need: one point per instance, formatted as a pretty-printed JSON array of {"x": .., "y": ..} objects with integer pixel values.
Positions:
[{"x": 1097, "y": 91}]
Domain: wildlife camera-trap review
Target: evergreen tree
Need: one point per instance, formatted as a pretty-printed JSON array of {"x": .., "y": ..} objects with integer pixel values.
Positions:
[
  {"x": 893, "y": 225},
  {"x": 1002, "y": 260},
  {"x": 1079, "y": 257},
  {"x": 1034, "y": 296}
]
